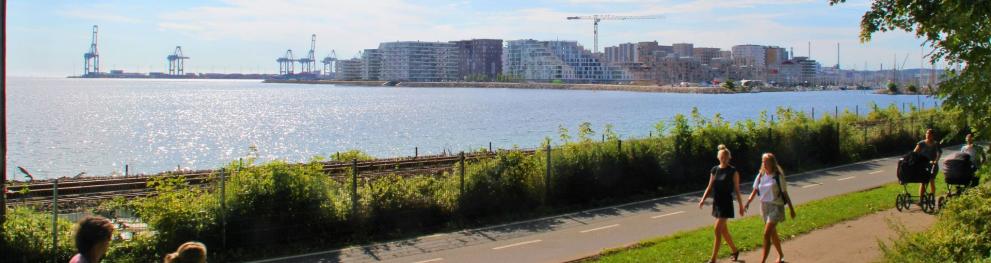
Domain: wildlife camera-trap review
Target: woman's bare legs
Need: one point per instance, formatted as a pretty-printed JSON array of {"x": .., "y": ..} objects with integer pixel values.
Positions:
[
  {"x": 727, "y": 237},
  {"x": 718, "y": 240},
  {"x": 776, "y": 240}
]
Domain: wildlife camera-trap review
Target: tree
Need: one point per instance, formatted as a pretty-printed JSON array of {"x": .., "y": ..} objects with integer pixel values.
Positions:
[
  {"x": 912, "y": 88},
  {"x": 729, "y": 85},
  {"x": 892, "y": 88},
  {"x": 959, "y": 32}
]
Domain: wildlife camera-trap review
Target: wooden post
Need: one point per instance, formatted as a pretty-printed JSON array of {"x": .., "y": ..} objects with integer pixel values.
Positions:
[
  {"x": 416, "y": 152},
  {"x": 490, "y": 147},
  {"x": 223, "y": 208},
  {"x": 462, "y": 175},
  {"x": 127, "y": 170},
  {"x": 813, "y": 113},
  {"x": 54, "y": 220},
  {"x": 547, "y": 176},
  {"x": 619, "y": 144},
  {"x": 354, "y": 188},
  {"x": 857, "y": 110}
]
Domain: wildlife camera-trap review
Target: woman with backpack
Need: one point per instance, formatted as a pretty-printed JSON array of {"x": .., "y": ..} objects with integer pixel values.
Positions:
[{"x": 772, "y": 188}]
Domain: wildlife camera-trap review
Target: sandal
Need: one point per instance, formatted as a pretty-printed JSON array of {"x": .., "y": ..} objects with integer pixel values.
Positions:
[{"x": 735, "y": 255}]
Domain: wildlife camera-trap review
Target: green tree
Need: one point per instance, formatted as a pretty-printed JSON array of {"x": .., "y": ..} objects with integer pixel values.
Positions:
[
  {"x": 585, "y": 132},
  {"x": 959, "y": 32},
  {"x": 912, "y": 88},
  {"x": 892, "y": 88},
  {"x": 729, "y": 85}
]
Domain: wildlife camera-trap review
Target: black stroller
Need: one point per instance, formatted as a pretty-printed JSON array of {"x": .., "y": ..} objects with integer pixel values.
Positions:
[
  {"x": 959, "y": 171},
  {"x": 915, "y": 168}
]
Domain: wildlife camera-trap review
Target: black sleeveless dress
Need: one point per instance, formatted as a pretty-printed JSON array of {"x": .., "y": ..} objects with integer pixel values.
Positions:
[{"x": 722, "y": 192}]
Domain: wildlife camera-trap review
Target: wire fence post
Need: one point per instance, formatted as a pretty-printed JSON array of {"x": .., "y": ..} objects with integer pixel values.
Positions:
[
  {"x": 223, "y": 208},
  {"x": 354, "y": 189},
  {"x": 127, "y": 170},
  {"x": 547, "y": 175},
  {"x": 813, "y": 113},
  {"x": 462, "y": 175},
  {"x": 490, "y": 147},
  {"x": 619, "y": 144},
  {"x": 416, "y": 152},
  {"x": 54, "y": 220}
]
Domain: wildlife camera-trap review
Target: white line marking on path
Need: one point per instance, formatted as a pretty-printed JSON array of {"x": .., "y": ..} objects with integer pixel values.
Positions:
[
  {"x": 876, "y": 172},
  {"x": 517, "y": 244},
  {"x": 811, "y": 185},
  {"x": 599, "y": 228},
  {"x": 846, "y": 178},
  {"x": 668, "y": 214},
  {"x": 430, "y": 260}
]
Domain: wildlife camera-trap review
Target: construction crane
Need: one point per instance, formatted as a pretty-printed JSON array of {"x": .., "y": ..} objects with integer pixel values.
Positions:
[
  {"x": 328, "y": 62},
  {"x": 92, "y": 58},
  {"x": 308, "y": 64},
  {"x": 176, "y": 61},
  {"x": 286, "y": 63},
  {"x": 597, "y": 18}
]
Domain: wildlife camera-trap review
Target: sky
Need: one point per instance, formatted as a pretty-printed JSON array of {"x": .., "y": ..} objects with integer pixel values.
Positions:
[{"x": 48, "y": 38}]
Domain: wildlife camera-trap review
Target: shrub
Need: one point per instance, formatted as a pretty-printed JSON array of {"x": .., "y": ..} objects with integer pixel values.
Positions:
[
  {"x": 28, "y": 237},
  {"x": 892, "y": 88},
  {"x": 962, "y": 232}
]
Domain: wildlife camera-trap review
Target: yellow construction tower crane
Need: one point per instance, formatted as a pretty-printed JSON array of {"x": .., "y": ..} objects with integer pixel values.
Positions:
[{"x": 595, "y": 23}]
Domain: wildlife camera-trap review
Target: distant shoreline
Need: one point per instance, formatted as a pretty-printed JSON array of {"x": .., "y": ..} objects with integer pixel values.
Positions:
[{"x": 511, "y": 85}]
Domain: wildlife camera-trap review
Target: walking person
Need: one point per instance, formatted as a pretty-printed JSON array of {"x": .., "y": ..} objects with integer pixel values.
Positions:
[
  {"x": 724, "y": 181},
  {"x": 931, "y": 149},
  {"x": 93, "y": 235},
  {"x": 976, "y": 154},
  {"x": 189, "y": 252},
  {"x": 772, "y": 188}
]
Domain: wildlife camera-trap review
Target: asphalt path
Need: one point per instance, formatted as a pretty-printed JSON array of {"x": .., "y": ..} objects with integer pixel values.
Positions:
[{"x": 576, "y": 235}]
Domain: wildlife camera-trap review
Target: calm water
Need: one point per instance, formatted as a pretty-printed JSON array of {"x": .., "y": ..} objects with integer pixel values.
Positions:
[{"x": 60, "y": 127}]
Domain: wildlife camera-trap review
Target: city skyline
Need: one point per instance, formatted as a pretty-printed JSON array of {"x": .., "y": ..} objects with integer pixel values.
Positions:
[{"x": 247, "y": 36}]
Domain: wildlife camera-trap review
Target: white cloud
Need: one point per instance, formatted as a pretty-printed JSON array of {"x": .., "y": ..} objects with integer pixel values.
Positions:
[{"x": 97, "y": 14}]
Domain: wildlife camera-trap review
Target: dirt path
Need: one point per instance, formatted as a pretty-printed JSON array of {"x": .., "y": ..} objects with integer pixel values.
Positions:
[{"x": 850, "y": 241}]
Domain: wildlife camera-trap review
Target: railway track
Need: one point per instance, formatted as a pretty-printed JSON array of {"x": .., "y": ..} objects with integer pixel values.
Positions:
[{"x": 91, "y": 190}]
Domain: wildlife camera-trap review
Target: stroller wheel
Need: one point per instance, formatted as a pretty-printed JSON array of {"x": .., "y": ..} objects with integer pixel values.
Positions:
[{"x": 898, "y": 202}]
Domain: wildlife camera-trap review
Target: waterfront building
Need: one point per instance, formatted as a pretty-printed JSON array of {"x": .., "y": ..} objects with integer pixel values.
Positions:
[
  {"x": 650, "y": 51},
  {"x": 418, "y": 61},
  {"x": 565, "y": 61},
  {"x": 705, "y": 54},
  {"x": 750, "y": 55},
  {"x": 775, "y": 55},
  {"x": 479, "y": 59},
  {"x": 622, "y": 53},
  {"x": 682, "y": 49},
  {"x": 371, "y": 64},
  {"x": 672, "y": 70},
  {"x": 348, "y": 69}
]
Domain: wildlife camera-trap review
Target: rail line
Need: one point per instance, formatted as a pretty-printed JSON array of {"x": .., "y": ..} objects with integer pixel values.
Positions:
[{"x": 89, "y": 191}]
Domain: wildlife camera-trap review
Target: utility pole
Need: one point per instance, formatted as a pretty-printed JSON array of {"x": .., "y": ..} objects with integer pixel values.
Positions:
[{"x": 3, "y": 129}]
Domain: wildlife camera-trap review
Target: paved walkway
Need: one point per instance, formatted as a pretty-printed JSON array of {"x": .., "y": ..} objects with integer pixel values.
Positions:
[
  {"x": 851, "y": 241},
  {"x": 571, "y": 236}
]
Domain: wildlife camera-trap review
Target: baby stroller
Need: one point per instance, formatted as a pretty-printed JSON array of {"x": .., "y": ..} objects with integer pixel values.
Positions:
[
  {"x": 915, "y": 168},
  {"x": 959, "y": 171}
]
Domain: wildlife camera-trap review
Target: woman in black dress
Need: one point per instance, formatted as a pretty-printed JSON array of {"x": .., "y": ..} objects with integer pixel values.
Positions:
[{"x": 724, "y": 181}]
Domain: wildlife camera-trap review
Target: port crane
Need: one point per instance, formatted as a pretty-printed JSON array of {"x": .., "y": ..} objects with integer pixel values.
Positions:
[
  {"x": 92, "y": 58},
  {"x": 286, "y": 63},
  {"x": 176, "y": 61},
  {"x": 308, "y": 64},
  {"x": 598, "y": 18},
  {"x": 328, "y": 62}
]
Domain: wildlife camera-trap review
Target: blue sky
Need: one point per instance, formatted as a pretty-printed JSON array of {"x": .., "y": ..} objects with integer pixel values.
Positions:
[{"x": 48, "y": 38}]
